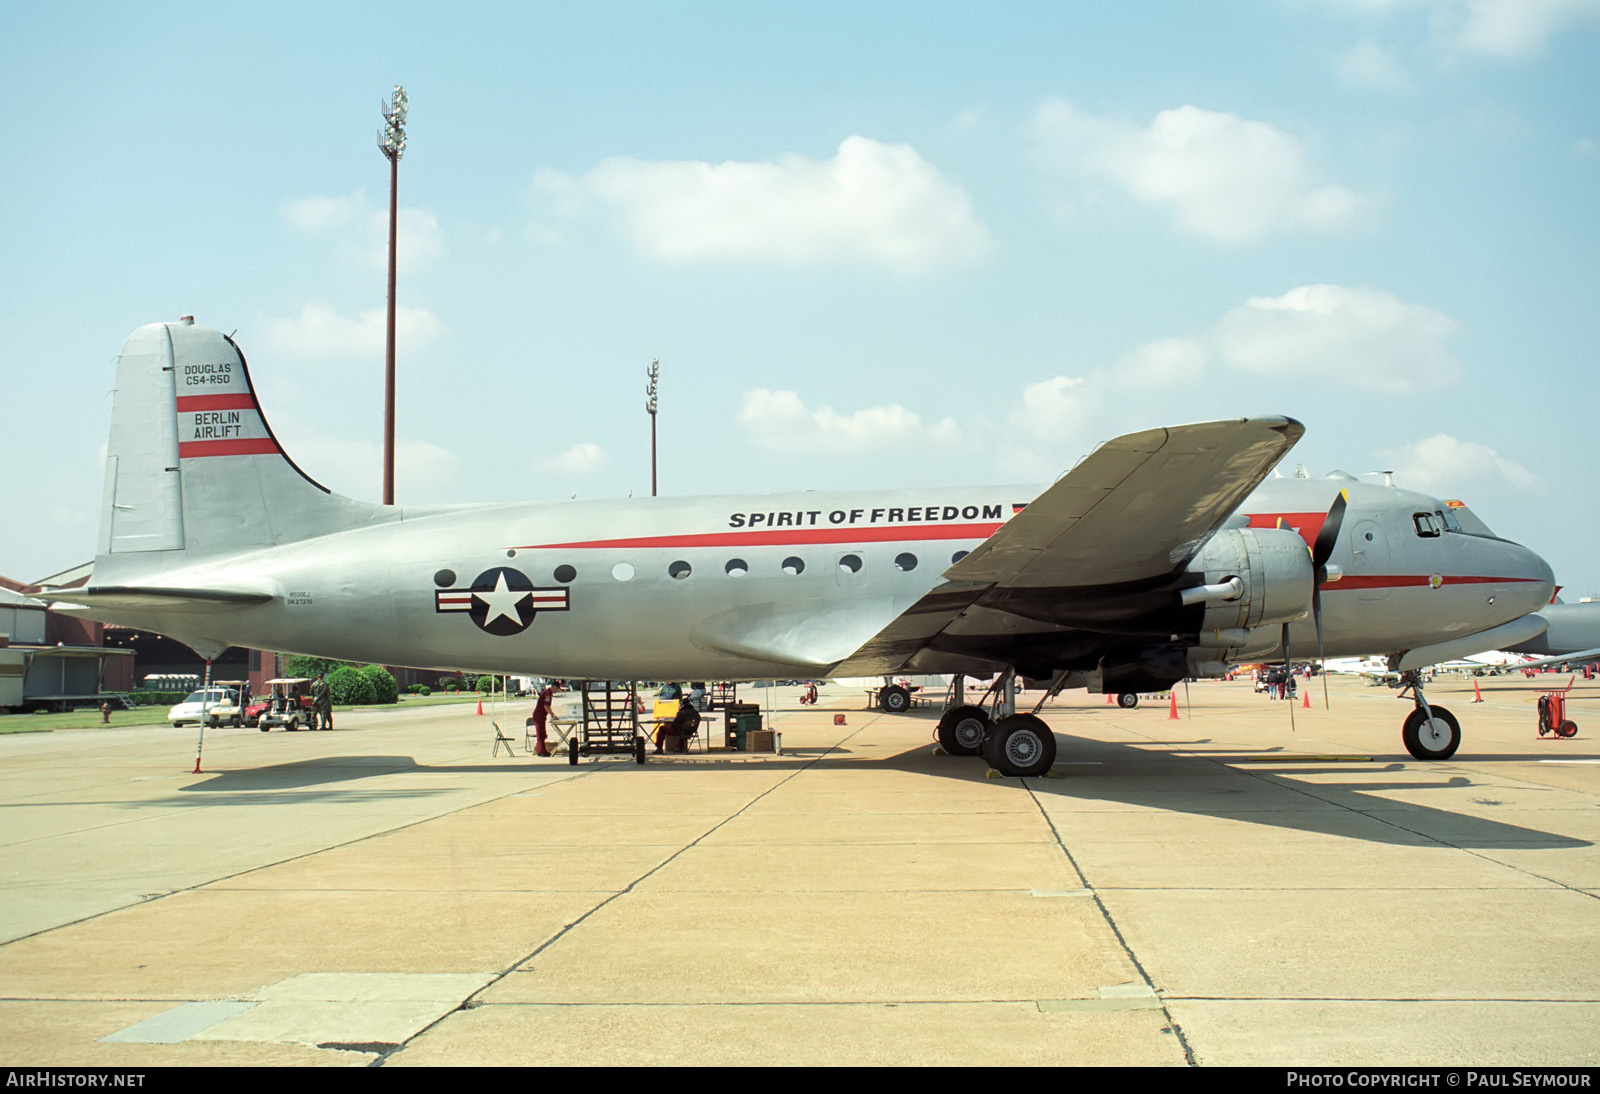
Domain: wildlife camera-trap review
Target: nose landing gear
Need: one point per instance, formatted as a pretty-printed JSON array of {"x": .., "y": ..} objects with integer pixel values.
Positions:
[{"x": 1429, "y": 732}]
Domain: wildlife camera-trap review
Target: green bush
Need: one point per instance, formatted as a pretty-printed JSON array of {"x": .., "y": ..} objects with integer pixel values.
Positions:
[
  {"x": 424, "y": 689},
  {"x": 384, "y": 689},
  {"x": 158, "y": 698},
  {"x": 488, "y": 684},
  {"x": 448, "y": 683},
  {"x": 350, "y": 686},
  {"x": 312, "y": 667}
]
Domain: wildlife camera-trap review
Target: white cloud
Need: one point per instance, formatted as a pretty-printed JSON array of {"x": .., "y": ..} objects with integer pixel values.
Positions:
[
  {"x": 1056, "y": 409},
  {"x": 780, "y": 420},
  {"x": 1498, "y": 29},
  {"x": 360, "y": 229},
  {"x": 1507, "y": 29},
  {"x": 1369, "y": 65},
  {"x": 1223, "y": 177},
  {"x": 1444, "y": 463},
  {"x": 872, "y": 202},
  {"x": 578, "y": 460},
  {"x": 1337, "y": 336},
  {"x": 1167, "y": 363},
  {"x": 319, "y": 332}
]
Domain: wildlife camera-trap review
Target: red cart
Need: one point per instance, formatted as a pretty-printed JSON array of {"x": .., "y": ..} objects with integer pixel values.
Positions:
[{"x": 1553, "y": 713}]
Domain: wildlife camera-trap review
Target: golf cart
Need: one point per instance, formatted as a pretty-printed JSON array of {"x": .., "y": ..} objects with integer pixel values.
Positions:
[
  {"x": 226, "y": 710},
  {"x": 289, "y": 705}
]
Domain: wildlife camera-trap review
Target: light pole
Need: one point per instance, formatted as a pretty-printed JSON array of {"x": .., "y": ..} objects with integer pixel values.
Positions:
[
  {"x": 392, "y": 143},
  {"x": 654, "y": 372}
]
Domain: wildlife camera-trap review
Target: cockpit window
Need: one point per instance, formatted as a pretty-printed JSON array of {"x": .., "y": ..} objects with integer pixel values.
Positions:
[
  {"x": 1450, "y": 521},
  {"x": 1428, "y": 524}
]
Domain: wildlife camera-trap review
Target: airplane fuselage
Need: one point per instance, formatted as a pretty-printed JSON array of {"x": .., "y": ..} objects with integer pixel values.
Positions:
[{"x": 743, "y": 587}]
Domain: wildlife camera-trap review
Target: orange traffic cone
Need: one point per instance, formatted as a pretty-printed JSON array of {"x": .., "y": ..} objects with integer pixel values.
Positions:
[
  {"x": 1172, "y": 711},
  {"x": 1477, "y": 696},
  {"x": 1109, "y": 699},
  {"x": 480, "y": 706},
  {"x": 1305, "y": 700}
]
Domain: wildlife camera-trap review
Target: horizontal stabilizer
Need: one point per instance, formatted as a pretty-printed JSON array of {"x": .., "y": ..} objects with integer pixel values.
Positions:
[{"x": 115, "y": 597}]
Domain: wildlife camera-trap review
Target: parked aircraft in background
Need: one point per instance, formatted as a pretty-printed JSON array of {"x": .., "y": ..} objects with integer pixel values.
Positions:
[{"x": 1159, "y": 556}]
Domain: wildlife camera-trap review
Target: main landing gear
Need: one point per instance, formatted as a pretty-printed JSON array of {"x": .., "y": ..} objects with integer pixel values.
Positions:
[
  {"x": 1429, "y": 732},
  {"x": 1016, "y": 745}
]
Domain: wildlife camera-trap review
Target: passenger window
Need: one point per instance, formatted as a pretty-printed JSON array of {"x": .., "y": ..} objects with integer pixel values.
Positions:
[
  {"x": 792, "y": 565},
  {"x": 905, "y": 561},
  {"x": 958, "y": 556},
  {"x": 737, "y": 567},
  {"x": 679, "y": 570},
  {"x": 850, "y": 564}
]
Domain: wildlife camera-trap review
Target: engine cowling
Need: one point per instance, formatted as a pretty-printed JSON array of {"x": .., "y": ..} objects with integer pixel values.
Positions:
[{"x": 1249, "y": 578}]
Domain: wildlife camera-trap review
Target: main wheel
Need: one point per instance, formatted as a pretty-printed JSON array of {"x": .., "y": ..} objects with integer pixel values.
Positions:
[
  {"x": 894, "y": 699},
  {"x": 1020, "y": 746},
  {"x": 962, "y": 729},
  {"x": 1435, "y": 738},
  {"x": 1128, "y": 700},
  {"x": 1568, "y": 729}
]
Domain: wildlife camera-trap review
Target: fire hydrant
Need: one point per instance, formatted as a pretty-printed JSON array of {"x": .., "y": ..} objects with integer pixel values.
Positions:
[{"x": 105, "y": 713}]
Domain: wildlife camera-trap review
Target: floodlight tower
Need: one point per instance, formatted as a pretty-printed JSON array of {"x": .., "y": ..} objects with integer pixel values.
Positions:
[
  {"x": 392, "y": 143},
  {"x": 654, "y": 372}
]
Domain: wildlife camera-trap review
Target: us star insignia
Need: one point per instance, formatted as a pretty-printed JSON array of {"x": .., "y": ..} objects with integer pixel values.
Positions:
[{"x": 502, "y": 601}]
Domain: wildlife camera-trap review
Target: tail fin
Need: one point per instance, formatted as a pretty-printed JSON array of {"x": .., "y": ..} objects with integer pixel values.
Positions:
[{"x": 192, "y": 468}]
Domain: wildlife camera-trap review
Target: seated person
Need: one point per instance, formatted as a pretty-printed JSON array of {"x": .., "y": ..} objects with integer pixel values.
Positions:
[
  {"x": 670, "y": 691},
  {"x": 684, "y": 724}
]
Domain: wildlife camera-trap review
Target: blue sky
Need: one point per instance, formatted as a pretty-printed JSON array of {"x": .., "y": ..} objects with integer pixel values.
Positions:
[{"x": 883, "y": 244}]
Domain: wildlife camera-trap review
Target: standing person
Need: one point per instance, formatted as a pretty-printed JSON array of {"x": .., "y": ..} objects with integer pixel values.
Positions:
[
  {"x": 322, "y": 702},
  {"x": 541, "y": 714}
]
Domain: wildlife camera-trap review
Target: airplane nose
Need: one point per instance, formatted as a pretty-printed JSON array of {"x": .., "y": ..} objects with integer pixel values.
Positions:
[{"x": 1535, "y": 582}]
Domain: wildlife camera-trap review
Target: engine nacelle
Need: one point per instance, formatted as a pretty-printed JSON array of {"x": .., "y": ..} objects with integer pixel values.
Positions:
[{"x": 1251, "y": 578}]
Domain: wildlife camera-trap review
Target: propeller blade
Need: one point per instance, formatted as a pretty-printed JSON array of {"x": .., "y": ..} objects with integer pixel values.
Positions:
[
  {"x": 1322, "y": 660},
  {"x": 1328, "y": 536},
  {"x": 1288, "y": 672},
  {"x": 1321, "y": 551}
]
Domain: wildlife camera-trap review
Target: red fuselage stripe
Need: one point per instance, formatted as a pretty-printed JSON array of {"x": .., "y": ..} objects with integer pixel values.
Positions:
[
  {"x": 237, "y": 401},
  {"x": 233, "y": 446},
  {"x": 783, "y": 537},
  {"x": 1401, "y": 581}
]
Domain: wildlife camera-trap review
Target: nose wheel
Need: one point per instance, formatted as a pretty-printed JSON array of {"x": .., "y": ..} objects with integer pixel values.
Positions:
[{"x": 1433, "y": 734}]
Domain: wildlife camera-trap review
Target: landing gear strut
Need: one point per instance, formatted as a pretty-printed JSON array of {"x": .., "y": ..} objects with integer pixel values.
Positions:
[{"x": 1429, "y": 732}]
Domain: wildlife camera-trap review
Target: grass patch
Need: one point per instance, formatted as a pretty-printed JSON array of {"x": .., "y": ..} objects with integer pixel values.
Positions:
[{"x": 89, "y": 718}]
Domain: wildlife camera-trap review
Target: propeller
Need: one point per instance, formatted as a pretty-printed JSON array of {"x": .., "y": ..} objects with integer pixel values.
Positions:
[{"x": 1321, "y": 551}]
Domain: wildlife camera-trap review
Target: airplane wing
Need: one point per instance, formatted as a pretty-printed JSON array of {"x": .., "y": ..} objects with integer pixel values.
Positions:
[
  {"x": 1135, "y": 510},
  {"x": 1138, "y": 506},
  {"x": 1554, "y": 659}
]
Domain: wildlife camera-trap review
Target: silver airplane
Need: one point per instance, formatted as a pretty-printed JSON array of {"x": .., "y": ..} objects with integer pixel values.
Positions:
[{"x": 1160, "y": 556}]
